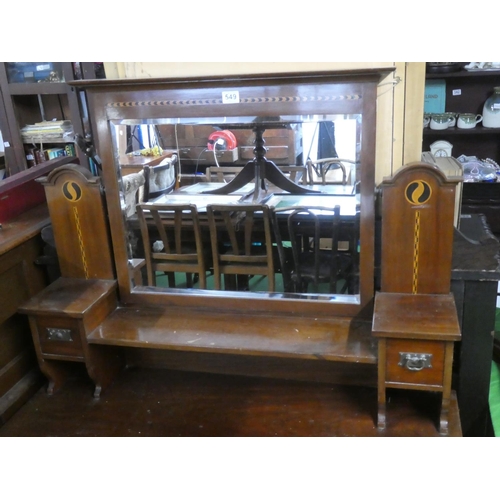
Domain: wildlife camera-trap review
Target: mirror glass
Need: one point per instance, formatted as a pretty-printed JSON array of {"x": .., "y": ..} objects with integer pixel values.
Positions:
[{"x": 318, "y": 153}]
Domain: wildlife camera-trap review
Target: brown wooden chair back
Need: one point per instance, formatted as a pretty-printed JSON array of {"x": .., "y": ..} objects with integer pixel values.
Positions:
[
  {"x": 296, "y": 173},
  {"x": 241, "y": 241},
  {"x": 179, "y": 247},
  {"x": 315, "y": 256},
  {"x": 321, "y": 166},
  {"x": 222, "y": 174}
]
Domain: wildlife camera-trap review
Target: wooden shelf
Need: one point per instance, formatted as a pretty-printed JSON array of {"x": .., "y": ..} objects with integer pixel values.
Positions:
[
  {"x": 463, "y": 131},
  {"x": 333, "y": 339},
  {"x": 462, "y": 74},
  {"x": 38, "y": 88},
  {"x": 45, "y": 140}
]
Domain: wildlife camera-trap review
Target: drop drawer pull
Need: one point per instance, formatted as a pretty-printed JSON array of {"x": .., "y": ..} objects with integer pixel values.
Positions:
[{"x": 415, "y": 361}]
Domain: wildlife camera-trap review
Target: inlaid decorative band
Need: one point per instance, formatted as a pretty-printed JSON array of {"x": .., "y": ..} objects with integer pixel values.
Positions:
[
  {"x": 416, "y": 242},
  {"x": 81, "y": 243},
  {"x": 242, "y": 100}
]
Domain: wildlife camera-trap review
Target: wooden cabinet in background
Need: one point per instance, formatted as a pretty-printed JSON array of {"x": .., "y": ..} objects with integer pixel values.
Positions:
[
  {"x": 20, "y": 279},
  {"x": 26, "y": 100}
]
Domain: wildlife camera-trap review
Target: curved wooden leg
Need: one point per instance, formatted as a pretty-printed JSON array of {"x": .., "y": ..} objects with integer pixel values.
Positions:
[
  {"x": 445, "y": 401},
  {"x": 381, "y": 416},
  {"x": 103, "y": 364},
  {"x": 443, "y": 417},
  {"x": 56, "y": 374}
]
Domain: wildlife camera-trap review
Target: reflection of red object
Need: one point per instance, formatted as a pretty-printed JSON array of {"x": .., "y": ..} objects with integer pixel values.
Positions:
[{"x": 226, "y": 135}]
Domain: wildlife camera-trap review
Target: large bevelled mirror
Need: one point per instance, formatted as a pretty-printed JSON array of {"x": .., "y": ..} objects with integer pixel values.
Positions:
[
  {"x": 300, "y": 147},
  {"x": 196, "y": 160}
]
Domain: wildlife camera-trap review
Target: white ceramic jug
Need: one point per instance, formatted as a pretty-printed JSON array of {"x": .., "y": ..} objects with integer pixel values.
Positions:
[{"x": 491, "y": 110}]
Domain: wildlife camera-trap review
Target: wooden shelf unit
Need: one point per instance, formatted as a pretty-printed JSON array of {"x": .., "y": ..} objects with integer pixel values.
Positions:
[{"x": 20, "y": 106}]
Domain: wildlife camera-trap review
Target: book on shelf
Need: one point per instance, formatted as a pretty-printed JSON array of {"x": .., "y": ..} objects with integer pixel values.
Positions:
[
  {"x": 52, "y": 153},
  {"x": 30, "y": 156},
  {"x": 39, "y": 156},
  {"x": 70, "y": 150},
  {"x": 35, "y": 155},
  {"x": 47, "y": 131}
]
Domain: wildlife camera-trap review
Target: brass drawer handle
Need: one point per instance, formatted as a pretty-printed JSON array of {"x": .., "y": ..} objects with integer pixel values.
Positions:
[
  {"x": 59, "y": 334},
  {"x": 415, "y": 361}
]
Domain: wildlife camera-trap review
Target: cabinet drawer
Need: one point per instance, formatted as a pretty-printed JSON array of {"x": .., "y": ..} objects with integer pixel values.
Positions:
[
  {"x": 59, "y": 336},
  {"x": 419, "y": 362}
]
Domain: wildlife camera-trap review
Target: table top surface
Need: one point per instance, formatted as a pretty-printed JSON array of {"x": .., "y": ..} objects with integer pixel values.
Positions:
[{"x": 349, "y": 204}]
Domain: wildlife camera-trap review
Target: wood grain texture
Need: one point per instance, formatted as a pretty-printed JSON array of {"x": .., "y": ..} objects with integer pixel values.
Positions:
[
  {"x": 167, "y": 403},
  {"x": 416, "y": 316},
  {"x": 340, "y": 339}
]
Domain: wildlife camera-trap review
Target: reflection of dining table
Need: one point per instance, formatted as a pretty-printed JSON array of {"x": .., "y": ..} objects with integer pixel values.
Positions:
[
  {"x": 202, "y": 187},
  {"x": 349, "y": 205},
  {"x": 200, "y": 200},
  {"x": 348, "y": 202}
]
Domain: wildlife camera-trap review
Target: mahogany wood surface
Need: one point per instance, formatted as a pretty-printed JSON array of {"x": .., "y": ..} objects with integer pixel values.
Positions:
[
  {"x": 76, "y": 306},
  {"x": 416, "y": 316},
  {"x": 334, "y": 339},
  {"x": 20, "y": 278},
  {"x": 417, "y": 230},
  {"x": 415, "y": 325},
  {"x": 23, "y": 227},
  {"x": 165, "y": 403},
  {"x": 81, "y": 232}
]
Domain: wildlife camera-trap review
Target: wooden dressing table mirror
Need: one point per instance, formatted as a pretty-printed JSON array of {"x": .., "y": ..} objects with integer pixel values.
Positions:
[{"x": 324, "y": 337}]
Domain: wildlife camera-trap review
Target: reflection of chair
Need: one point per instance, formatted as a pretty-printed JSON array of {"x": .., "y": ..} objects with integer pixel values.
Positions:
[
  {"x": 159, "y": 179},
  {"x": 241, "y": 241},
  {"x": 180, "y": 247},
  {"x": 222, "y": 174},
  {"x": 323, "y": 165},
  {"x": 315, "y": 255},
  {"x": 296, "y": 173},
  {"x": 131, "y": 191}
]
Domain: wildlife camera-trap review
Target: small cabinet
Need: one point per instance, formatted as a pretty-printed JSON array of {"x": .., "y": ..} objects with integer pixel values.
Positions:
[
  {"x": 61, "y": 316},
  {"x": 415, "y": 352}
]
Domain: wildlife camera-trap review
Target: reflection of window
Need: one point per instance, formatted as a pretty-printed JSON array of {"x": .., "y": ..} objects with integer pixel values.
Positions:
[
  {"x": 142, "y": 137},
  {"x": 345, "y": 138}
]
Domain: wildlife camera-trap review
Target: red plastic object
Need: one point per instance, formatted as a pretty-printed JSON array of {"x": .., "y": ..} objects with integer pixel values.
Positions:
[{"x": 228, "y": 137}]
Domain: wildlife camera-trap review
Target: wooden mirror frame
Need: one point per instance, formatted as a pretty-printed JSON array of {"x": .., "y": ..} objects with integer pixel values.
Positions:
[{"x": 351, "y": 92}]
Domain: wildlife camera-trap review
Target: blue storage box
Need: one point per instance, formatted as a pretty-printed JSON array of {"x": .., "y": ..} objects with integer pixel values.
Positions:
[
  {"x": 25, "y": 72},
  {"x": 435, "y": 96}
]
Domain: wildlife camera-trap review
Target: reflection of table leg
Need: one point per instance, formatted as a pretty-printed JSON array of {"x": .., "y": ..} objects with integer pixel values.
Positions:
[
  {"x": 266, "y": 170},
  {"x": 260, "y": 169},
  {"x": 247, "y": 174}
]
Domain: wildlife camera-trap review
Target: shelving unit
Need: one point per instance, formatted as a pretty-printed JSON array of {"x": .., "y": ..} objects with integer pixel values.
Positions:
[
  {"x": 466, "y": 92},
  {"x": 31, "y": 102}
]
